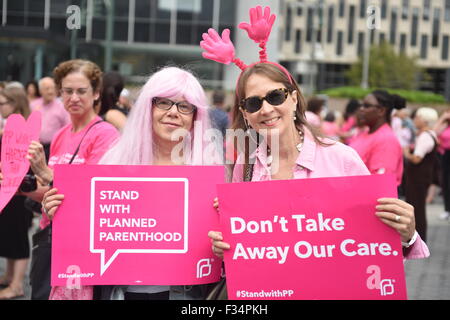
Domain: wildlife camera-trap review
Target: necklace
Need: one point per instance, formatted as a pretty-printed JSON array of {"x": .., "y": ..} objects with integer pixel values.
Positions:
[{"x": 298, "y": 147}]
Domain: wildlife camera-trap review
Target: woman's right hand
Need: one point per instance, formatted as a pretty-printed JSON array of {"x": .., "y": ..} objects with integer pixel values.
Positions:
[
  {"x": 218, "y": 246},
  {"x": 51, "y": 202}
]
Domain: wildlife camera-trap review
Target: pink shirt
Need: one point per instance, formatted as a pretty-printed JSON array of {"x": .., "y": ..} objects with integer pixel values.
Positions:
[
  {"x": 330, "y": 129},
  {"x": 380, "y": 151},
  {"x": 94, "y": 145},
  {"x": 54, "y": 117},
  {"x": 425, "y": 143},
  {"x": 349, "y": 124},
  {"x": 316, "y": 161},
  {"x": 313, "y": 119},
  {"x": 444, "y": 140}
]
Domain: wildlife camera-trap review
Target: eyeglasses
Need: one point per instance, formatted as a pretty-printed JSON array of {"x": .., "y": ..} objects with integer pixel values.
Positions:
[
  {"x": 166, "y": 104},
  {"x": 274, "y": 97},
  {"x": 68, "y": 92}
]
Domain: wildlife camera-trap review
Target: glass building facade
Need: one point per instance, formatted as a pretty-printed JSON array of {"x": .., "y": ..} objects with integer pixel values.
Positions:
[{"x": 134, "y": 37}]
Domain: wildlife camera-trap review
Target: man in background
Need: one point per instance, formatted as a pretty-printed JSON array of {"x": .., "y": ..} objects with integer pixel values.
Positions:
[
  {"x": 54, "y": 116},
  {"x": 219, "y": 117}
]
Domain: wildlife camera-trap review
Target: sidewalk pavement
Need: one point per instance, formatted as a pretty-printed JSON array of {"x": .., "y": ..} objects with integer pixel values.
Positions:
[{"x": 427, "y": 279}]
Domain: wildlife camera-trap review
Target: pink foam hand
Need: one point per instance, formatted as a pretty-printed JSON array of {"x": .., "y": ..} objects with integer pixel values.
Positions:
[
  {"x": 219, "y": 49},
  {"x": 260, "y": 24}
]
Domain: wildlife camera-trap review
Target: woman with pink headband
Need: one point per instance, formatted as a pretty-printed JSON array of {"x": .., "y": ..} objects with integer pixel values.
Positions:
[{"x": 268, "y": 100}]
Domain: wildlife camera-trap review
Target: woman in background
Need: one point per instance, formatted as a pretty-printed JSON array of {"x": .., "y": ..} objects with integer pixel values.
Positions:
[
  {"x": 15, "y": 219},
  {"x": 379, "y": 147},
  {"x": 419, "y": 166}
]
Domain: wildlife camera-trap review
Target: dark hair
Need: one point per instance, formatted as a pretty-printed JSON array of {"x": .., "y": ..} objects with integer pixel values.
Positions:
[
  {"x": 351, "y": 108},
  {"x": 112, "y": 87},
  {"x": 315, "y": 105},
  {"x": 389, "y": 101},
  {"x": 35, "y": 85},
  {"x": 218, "y": 97},
  {"x": 330, "y": 117}
]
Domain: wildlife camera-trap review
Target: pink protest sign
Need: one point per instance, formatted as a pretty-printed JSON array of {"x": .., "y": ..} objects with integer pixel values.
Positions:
[
  {"x": 310, "y": 239},
  {"x": 16, "y": 139},
  {"x": 140, "y": 225}
]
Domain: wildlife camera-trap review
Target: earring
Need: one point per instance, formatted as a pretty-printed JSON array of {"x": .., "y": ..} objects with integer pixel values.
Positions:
[{"x": 295, "y": 116}]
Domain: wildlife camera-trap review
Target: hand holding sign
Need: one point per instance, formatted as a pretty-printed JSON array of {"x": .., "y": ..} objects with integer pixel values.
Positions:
[
  {"x": 394, "y": 212},
  {"x": 16, "y": 138},
  {"x": 51, "y": 202},
  {"x": 399, "y": 215},
  {"x": 337, "y": 244},
  {"x": 38, "y": 163}
]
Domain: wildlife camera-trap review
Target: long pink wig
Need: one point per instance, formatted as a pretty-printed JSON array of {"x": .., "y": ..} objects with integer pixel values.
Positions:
[{"x": 135, "y": 147}]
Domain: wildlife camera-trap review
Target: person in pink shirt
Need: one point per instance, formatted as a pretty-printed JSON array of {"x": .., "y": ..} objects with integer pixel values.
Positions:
[
  {"x": 442, "y": 129},
  {"x": 379, "y": 147},
  {"x": 83, "y": 141},
  {"x": 313, "y": 110},
  {"x": 54, "y": 116},
  {"x": 268, "y": 100},
  {"x": 171, "y": 102},
  {"x": 329, "y": 126}
]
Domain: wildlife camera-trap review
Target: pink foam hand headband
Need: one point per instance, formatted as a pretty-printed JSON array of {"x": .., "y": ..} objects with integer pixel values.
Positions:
[
  {"x": 259, "y": 28},
  {"x": 221, "y": 49}
]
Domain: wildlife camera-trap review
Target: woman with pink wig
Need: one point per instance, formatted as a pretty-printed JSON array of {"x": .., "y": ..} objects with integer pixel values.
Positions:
[
  {"x": 166, "y": 126},
  {"x": 154, "y": 109}
]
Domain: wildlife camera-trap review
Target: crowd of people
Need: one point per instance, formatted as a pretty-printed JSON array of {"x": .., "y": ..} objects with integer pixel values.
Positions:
[
  {"x": 87, "y": 118},
  {"x": 89, "y": 111}
]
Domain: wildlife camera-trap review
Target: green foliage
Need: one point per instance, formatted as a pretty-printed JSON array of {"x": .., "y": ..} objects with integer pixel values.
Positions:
[
  {"x": 387, "y": 69},
  {"x": 412, "y": 96}
]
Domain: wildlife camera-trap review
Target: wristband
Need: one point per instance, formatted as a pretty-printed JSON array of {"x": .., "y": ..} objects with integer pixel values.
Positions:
[{"x": 410, "y": 242}]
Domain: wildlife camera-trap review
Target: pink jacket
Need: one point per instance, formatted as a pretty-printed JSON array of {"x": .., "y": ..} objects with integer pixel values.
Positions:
[{"x": 316, "y": 161}]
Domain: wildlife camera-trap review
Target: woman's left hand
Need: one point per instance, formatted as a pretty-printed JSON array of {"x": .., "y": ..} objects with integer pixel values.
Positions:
[
  {"x": 398, "y": 215},
  {"x": 38, "y": 163}
]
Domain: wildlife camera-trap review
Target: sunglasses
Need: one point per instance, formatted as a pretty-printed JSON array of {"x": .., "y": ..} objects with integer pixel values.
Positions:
[
  {"x": 274, "y": 97},
  {"x": 166, "y": 104}
]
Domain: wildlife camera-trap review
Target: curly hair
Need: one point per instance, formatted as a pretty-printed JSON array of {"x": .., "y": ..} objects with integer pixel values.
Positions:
[{"x": 91, "y": 70}]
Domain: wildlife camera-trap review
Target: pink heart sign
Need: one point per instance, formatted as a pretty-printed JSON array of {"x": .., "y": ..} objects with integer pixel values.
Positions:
[{"x": 16, "y": 139}]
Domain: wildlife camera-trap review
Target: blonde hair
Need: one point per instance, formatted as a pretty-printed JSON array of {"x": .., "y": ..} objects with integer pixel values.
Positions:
[{"x": 429, "y": 115}]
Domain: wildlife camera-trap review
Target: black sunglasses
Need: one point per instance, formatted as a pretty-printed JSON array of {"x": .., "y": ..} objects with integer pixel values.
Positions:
[
  {"x": 274, "y": 97},
  {"x": 166, "y": 104}
]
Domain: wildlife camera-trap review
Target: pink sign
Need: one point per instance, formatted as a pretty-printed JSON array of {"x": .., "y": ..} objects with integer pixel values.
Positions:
[
  {"x": 311, "y": 239},
  {"x": 16, "y": 139},
  {"x": 140, "y": 225}
]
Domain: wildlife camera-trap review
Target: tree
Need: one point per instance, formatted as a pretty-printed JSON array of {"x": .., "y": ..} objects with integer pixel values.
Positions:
[{"x": 387, "y": 69}]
